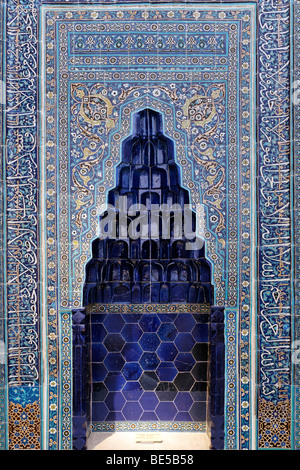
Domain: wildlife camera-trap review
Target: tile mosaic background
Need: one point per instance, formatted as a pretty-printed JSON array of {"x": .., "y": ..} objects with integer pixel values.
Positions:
[{"x": 59, "y": 164}]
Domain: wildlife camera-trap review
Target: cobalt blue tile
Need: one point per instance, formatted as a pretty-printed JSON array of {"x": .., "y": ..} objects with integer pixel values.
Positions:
[
  {"x": 200, "y": 351},
  {"x": 115, "y": 401},
  {"x": 167, "y": 317},
  {"x": 166, "y": 391},
  {"x": 183, "y": 416},
  {"x": 115, "y": 416},
  {"x": 149, "y": 381},
  {"x": 167, "y": 332},
  {"x": 114, "y": 342},
  {"x": 199, "y": 391},
  {"x": 98, "y": 333},
  {"x": 149, "y": 361},
  {"x": 114, "y": 381},
  {"x": 132, "y": 411},
  {"x": 184, "y": 362},
  {"x": 148, "y": 416},
  {"x": 114, "y": 323},
  {"x": 201, "y": 317},
  {"x": 184, "y": 342},
  {"x": 148, "y": 401},
  {"x": 200, "y": 333},
  {"x": 99, "y": 391},
  {"x": 131, "y": 317},
  {"x": 114, "y": 362},
  {"x": 98, "y": 317},
  {"x": 98, "y": 352},
  {"x": 149, "y": 322},
  {"x": 99, "y": 411},
  {"x": 184, "y": 381},
  {"x": 132, "y": 371},
  {"x": 166, "y": 371},
  {"x": 185, "y": 322},
  {"x": 167, "y": 352},
  {"x": 183, "y": 401},
  {"x": 149, "y": 342},
  {"x": 166, "y": 411},
  {"x": 132, "y": 391},
  {"x": 99, "y": 372},
  {"x": 199, "y": 371},
  {"x": 131, "y": 332},
  {"x": 132, "y": 352},
  {"x": 198, "y": 411}
]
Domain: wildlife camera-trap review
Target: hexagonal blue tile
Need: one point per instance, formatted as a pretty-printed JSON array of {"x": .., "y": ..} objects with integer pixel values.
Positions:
[
  {"x": 114, "y": 381},
  {"x": 149, "y": 416},
  {"x": 149, "y": 361},
  {"x": 114, "y": 342},
  {"x": 114, "y": 323},
  {"x": 114, "y": 362},
  {"x": 167, "y": 352},
  {"x": 115, "y": 401},
  {"x": 200, "y": 333},
  {"x": 149, "y": 342},
  {"x": 99, "y": 372},
  {"x": 149, "y": 380},
  {"x": 132, "y": 391},
  {"x": 184, "y": 362},
  {"x": 99, "y": 411},
  {"x": 98, "y": 352},
  {"x": 198, "y": 411},
  {"x": 183, "y": 416},
  {"x": 167, "y": 332},
  {"x": 185, "y": 322},
  {"x": 132, "y": 411},
  {"x": 98, "y": 333},
  {"x": 149, "y": 401},
  {"x": 132, "y": 352},
  {"x": 132, "y": 371},
  {"x": 131, "y": 332},
  {"x": 183, "y": 401},
  {"x": 149, "y": 322},
  {"x": 115, "y": 416},
  {"x": 166, "y": 371},
  {"x": 99, "y": 391},
  {"x": 166, "y": 411},
  {"x": 184, "y": 342}
]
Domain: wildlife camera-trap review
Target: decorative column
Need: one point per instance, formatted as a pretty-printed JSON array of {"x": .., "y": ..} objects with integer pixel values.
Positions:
[
  {"x": 217, "y": 377},
  {"x": 80, "y": 379}
]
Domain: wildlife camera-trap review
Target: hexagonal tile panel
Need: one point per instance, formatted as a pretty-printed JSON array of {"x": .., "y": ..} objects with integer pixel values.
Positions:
[
  {"x": 149, "y": 361},
  {"x": 132, "y": 371},
  {"x": 166, "y": 391},
  {"x": 200, "y": 351},
  {"x": 184, "y": 381},
  {"x": 149, "y": 381},
  {"x": 149, "y": 401},
  {"x": 132, "y": 411},
  {"x": 184, "y": 362},
  {"x": 167, "y": 352},
  {"x": 199, "y": 371},
  {"x": 149, "y": 322},
  {"x": 132, "y": 352},
  {"x": 99, "y": 411},
  {"x": 184, "y": 342},
  {"x": 185, "y": 322},
  {"x": 98, "y": 352},
  {"x": 131, "y": 332},
  {"x": 114, "y": 323},
  {"x": 132, "y": 391},
  {"x": 114, "y": 362},
  {"x": 166, "y": 371},
  {"x": 99, "y": 372},
  {"x": 149, "y": 342},
  {"x": 166, "y": 411},
  {"x": 115, "y": 401},
  {"x": 183, "y": 401},
  {"x": 114, "y": 381},
  {"x": 198, "y": 411},
  {"x": 167, "y": 332},
  {"x": 200, "y": 333},
  {"x": 98, "y": 333},
  {"x": 114, "y": 342},
  {"x": 99, "y": 391}
]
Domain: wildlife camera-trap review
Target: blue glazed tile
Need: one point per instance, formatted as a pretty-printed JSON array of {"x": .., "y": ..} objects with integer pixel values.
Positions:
[
  {"x": 183, "y": 401},
  {"x": 131, "y": 332},
  {"x": 199, "y": 391},
  {"x": 115, "y": 401},
  {"x": 132, "y": 411},
  {"x": 132, "y": 371},
  {"x": 167, "y": 352},
  {"x": 99, "y": 352},
  {"x": 183, "y": 416},
  {"x": 114, "y": 381},
  {"x": 185, "y": 322},
  {"x": 114, "y": 362},
  {"x": 98, "y": 317},
  {"x": 149, "y": 361},
  {"x": 114, "y": 342},
  {"x": 167, "y": 317},
  {"x": 148, "y": 401},
  {"x": 99, "y": 391},
  {"x": 199, "y": 371},
  {"x": 198, "y": 411},
  {"x": 99, "y": 372},
  {"x": 149, "y": 322},
  {"x": 114, "y": 323},
  {"x": 99, "y": 411},
  {"x": 184, "y": 342},
  {"x": 132, "y": 391},
  {"x": 200, "y": 351},
  {"x": 132, "y": 352},
  {"x": 166, "y": 371},
  {"x": 149, "y": 342},
  {"x": 98, "y": 333},
  {"x": 184, "y": 362},
  {"x": 200, "y": 333},
  {"x": 184, "y": 381},
  {"x": 149, "y": 381},
  {"x": 166, "y": 411},
  {"x": 167, "y": 332},
  {"x": 148, "y": 416},
  {"x": 166, "y": 391},
  {"x": 131, "y": 317},
  {"x": 115, "y": 416}
]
